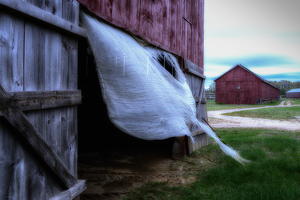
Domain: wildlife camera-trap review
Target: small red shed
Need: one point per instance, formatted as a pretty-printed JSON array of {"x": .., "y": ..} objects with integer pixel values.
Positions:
[
  {"x": 239, "y": 85},
  {"x": 293, "y": 93}
]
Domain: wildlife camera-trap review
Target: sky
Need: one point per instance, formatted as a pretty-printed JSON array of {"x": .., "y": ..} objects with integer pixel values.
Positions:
[{"x": 262, "y": 35}]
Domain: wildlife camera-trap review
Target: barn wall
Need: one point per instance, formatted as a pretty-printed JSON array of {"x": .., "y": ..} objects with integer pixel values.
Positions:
[
  {"x": 36, "y": 58},
  {"x": 269, "y": 93},
  {"x": 173, "y": 25},
  {"x": 227, "y": 92},
  {"x": 293, "y": 95}
]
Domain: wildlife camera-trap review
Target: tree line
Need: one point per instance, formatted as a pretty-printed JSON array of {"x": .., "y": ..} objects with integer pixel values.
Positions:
[
  {"x": 285, "y": 85},
  {"x": 282, "y": 85}
]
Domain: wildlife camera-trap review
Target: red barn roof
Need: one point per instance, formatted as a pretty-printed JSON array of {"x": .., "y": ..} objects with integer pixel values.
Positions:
[{"x": 239, "y": 65}]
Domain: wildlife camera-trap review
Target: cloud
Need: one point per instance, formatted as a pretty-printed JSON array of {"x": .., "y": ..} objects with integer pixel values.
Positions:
[
  {"x": 251, "y": 61},
  {"x": 285, "y": 76}
]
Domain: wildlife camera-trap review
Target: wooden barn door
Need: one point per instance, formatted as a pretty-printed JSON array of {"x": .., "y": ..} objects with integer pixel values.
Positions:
[
  {"x": 196, "y": 83},
  {"x": 38, "y": 99}
]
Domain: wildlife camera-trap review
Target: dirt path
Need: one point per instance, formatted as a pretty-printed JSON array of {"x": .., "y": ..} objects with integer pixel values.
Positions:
[{"x": 216, "y": 119}]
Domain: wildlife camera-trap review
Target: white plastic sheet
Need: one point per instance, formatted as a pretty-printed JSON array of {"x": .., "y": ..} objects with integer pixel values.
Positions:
[{"x": 143, "y": 99}]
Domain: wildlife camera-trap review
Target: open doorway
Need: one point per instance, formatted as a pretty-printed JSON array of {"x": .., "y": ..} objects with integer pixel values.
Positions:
[{"x": 96, "y": 132}]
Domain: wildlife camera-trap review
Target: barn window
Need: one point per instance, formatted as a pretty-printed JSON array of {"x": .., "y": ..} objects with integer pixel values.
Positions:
[
  {"x": 238, "y": 87},
  {"x": 165, "y": 63}
]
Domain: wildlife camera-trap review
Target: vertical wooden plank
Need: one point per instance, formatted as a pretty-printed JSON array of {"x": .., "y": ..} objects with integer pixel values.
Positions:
[
  {"x": 201, "y": 34},
  {"x": 70, "y": 11},
  {"x": 132, "y": 13},
  {"x": 195, "y": 30},
  {"x": 12, "y": 176},
  {"x": 70, "y": 47},
  {"x": 157, "y": 21},
  {"x": 11, "y": 52},
  {"x": 73, "y": 138},
  {"x": 53, "y": 59},
  {"x": 36, "y": 180},
  {"x": 53, "y": 46},
  {"x": 53, "y": 68},
  {"x": 142, "y": 18},
  {"x": 179, "y": 26},
  {"x": 183, "y": 32},
  {"x": 54, "y": 7},
  {"x": 69, "y": 80},
  {"x": 69, "y": 63},
  {"x": 172, "y": 33},
  {"x": 188, "y": 31},
  {"x": 166, "y": 23},
  {"x": 34, "y": 70},
  {"x": 34, "y": 80},
  {"x": 107, "y": 10},
  {"x": 117, "y": 11},
  {"x": 65, "y": 150}
]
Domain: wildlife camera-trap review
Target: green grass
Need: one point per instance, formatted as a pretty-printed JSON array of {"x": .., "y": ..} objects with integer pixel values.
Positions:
[
  {"x": 283, "y": 113},
  {"x": 273, "y": 174},
  {"x": 293, "y": 101},
  {"x": 211, "y": 105}
]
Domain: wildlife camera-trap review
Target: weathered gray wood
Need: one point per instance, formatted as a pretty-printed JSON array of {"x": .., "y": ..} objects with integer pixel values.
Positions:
[
  {"x": 42, "y": 48},
  {"x": 53, "y": 60},
  {"x": 11, "y": 52},
  {"x": 72, "y": 7},
  {"x": 72, "y": 139},
  {"x": 201, "y": 139},
  {"x": 19, "y": 121},
  {"x": 201, "y": 107},
  {"x": 34, "y": 59},
  {"x": 203, "y": 101},
  {"x": 39, "y": 15},
  {"x": 72, "y": 192},
  {"x": 23, "y": 175},
  {"x": 38, "y": 100},
  {"x": 196, "y": 84},
  {"x": 70, "y": 63},
  {"x": 69, "y": 82},
  {"x": 189, "y": 65},
  {"x": 195, "y": 73}
]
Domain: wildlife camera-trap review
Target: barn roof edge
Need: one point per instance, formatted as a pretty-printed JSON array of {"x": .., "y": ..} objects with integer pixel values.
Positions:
[
  {"x": 294, "y": 90},
  {"x": 245, "y": 68}
]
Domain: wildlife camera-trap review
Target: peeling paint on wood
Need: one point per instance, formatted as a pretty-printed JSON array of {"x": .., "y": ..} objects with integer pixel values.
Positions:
[{"x": 173, "y": 25}]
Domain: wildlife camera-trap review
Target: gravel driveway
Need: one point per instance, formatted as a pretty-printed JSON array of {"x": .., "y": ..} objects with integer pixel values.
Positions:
[{"x": 217, "y": 120}]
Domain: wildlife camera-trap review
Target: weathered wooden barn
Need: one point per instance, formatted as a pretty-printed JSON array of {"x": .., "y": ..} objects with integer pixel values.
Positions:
[
  {"x": 46, "y": 70},
  {"x": 174, "y": 26},
  {"x": 293, "y": 93},
  {"x": 239, "y": 85}
]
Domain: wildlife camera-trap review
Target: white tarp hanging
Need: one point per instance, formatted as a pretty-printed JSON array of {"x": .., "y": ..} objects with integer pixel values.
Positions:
[{"x": 143, "y": 99}]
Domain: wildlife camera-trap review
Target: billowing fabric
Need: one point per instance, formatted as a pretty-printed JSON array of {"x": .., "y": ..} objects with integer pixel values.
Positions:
[{"x": 143, "y": 99}]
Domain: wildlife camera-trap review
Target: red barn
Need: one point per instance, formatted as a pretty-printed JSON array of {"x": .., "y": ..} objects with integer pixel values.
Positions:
[
  {"x": 239, "y": 85},
  {"x": 293, "y": 93},
  {"x": 175, "y": 26}
]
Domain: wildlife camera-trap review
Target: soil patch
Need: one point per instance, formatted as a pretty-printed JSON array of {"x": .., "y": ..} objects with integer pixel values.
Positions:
[{"x": 111, "y": 176}]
